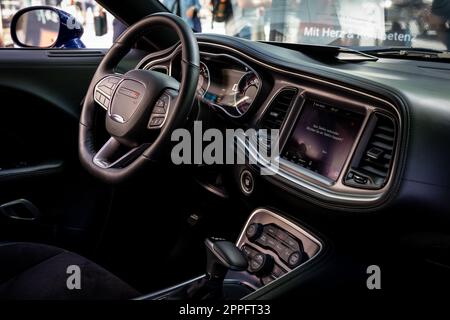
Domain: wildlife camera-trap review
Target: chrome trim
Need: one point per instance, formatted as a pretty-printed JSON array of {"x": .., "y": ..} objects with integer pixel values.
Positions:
[
  {"x": 341, "y": 193},
  {"x": 275, "y": 216},
  {"x": 161, "y": 294},
  {"x": 103, "y": 163},
  {"x": 161, "y": 67},
  {"x": 209, "y": 78},
  {"x": 345, "y": 194},
  {"x": 242, "y": 63},
  {"x": 152, "y": 63},
  {"x": 243, "y": 188},
  {"x": 177, "y": 50},
  {"x": 117, "y": 118}
]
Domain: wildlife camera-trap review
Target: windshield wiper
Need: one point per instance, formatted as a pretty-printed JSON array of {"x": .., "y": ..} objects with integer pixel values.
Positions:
[{"x": 413, "y": 53}]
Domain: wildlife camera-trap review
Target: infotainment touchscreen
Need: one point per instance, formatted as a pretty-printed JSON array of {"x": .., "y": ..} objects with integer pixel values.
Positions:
[{"x": 322, "y": 138}]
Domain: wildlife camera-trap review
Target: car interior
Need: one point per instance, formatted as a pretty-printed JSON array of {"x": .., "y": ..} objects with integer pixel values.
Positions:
[{"x": 87, "y": 176}]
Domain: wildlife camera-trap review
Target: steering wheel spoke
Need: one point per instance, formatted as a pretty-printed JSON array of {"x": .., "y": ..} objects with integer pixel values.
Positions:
[
  {"x": 113, "y": 154},
  {"x": 105, "y": 88}
]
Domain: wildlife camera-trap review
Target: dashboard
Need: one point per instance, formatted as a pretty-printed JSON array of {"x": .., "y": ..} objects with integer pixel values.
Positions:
[{"x": 344, "y": 126}]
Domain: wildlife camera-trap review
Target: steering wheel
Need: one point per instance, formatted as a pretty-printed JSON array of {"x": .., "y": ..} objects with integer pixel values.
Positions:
[{"x": 143, "y": 107}]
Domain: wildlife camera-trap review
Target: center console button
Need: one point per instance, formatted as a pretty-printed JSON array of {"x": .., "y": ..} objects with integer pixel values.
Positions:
[
  {"x": 292, "y": 243},
  {"x": 296, "y": 258},
  {"x": 277, "y": 271},
  {"x": 285, "y": 253},
  {"x": 282, "y": 235},
  {"x": 272, "y": 230},
  {"x": 253, "y": 231},
  {"x": 271, "y": 242},
  {"x": 263, "y": 239},
  {"x": 261, "y": 264}
]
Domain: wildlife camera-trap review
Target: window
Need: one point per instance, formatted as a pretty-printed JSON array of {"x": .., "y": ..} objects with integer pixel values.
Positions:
[{"x": 353, "y": 23}]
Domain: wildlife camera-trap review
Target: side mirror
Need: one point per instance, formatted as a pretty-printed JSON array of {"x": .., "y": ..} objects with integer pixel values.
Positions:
[{"x": 46, "y": 27}]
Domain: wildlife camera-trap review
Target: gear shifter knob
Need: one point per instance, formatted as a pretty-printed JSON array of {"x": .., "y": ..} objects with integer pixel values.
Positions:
[{"x": 221, "y": 256}]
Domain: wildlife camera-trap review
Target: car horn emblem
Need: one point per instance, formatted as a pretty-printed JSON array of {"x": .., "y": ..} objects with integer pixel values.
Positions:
[{"x": 117, "y": 118}]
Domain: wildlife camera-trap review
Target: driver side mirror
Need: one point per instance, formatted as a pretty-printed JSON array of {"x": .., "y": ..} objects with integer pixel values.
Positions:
[{"x": 46, "y": 27}]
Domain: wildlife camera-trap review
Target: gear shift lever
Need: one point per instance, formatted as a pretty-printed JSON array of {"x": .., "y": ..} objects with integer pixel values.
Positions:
[{"x": 221, "y": 256}]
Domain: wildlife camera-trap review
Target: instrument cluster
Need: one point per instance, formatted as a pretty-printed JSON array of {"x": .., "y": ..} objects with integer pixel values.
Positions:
[{"x": 227, "y": 84}]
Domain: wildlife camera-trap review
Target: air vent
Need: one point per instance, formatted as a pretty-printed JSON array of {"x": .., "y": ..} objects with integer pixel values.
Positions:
[
  {"x": 278, "y": 109},
  {"x": 373, "y": 166}
]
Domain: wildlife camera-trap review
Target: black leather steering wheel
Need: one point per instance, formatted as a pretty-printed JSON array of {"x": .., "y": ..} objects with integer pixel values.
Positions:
[{"x": 143, "y": 107}]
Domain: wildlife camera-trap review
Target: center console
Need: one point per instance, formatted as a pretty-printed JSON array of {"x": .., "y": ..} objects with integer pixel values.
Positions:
[
  {"x": 268, "y": 248},
  {"x": 274, "y": 246}
]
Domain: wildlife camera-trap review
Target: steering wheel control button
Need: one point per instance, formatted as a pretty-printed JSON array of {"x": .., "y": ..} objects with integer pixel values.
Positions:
[
  {"x": 253, "y": 231},
  {"x": 156, "y": 121},
  {"x": 247, "y": 182},
  {"x": 159, "y": 112},
  {"x": 104, "y": 90}
]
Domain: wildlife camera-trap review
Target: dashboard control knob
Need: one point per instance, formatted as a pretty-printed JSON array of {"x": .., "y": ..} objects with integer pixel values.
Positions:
[
  {"x": 247, "y": 182},
  {"x": 261, "y": 264},
  {"x": 253, "y": 231},
  {"x": 296, "y": 258}
]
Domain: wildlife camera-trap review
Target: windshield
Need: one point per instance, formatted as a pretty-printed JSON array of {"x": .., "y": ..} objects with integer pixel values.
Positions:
[{"x": 353, "y": 23}]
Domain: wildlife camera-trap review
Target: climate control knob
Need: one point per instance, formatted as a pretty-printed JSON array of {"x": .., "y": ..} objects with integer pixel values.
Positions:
[
  {"x": 253, "y": 231},
  {"x": 261, "y": 264}
]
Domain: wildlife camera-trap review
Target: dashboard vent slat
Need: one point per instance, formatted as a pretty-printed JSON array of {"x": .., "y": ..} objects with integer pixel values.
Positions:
[
  {"x": 375, "y": 162},
  {"x": 277, "y": 110}
]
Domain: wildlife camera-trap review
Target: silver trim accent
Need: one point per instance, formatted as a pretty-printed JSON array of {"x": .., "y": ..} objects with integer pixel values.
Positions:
[
  {"x": 105, "y": 164},
  {"x": 117, "y": 118},
  {"x": 209, "y": 79},
  {"x": 311, "y": 183},
  {"x": 160, "y": 67},
  {"x": 153, "y": 64},
  {"x": 161, "y": 294},
  {"x": 245, "y": 65},
  {"x": 242, "y": 240},
  {"x": 243, "y": 188}
]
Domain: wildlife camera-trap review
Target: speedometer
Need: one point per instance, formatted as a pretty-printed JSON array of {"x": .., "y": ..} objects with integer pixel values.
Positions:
[{"x": 203, "y": 80}]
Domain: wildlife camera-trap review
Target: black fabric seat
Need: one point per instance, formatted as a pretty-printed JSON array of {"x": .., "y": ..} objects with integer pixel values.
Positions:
[{"x": 37, "y": 271}]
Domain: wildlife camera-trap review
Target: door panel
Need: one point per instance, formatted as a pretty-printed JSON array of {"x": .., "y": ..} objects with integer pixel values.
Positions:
[{"x": 41, "y": 92}]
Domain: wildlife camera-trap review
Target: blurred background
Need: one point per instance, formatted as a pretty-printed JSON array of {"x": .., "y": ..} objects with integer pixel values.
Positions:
[{"x": 406, "y": 23}]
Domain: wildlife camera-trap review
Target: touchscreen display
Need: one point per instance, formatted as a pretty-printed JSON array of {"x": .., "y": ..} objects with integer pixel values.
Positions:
[{"x": 322, "y": 138}]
